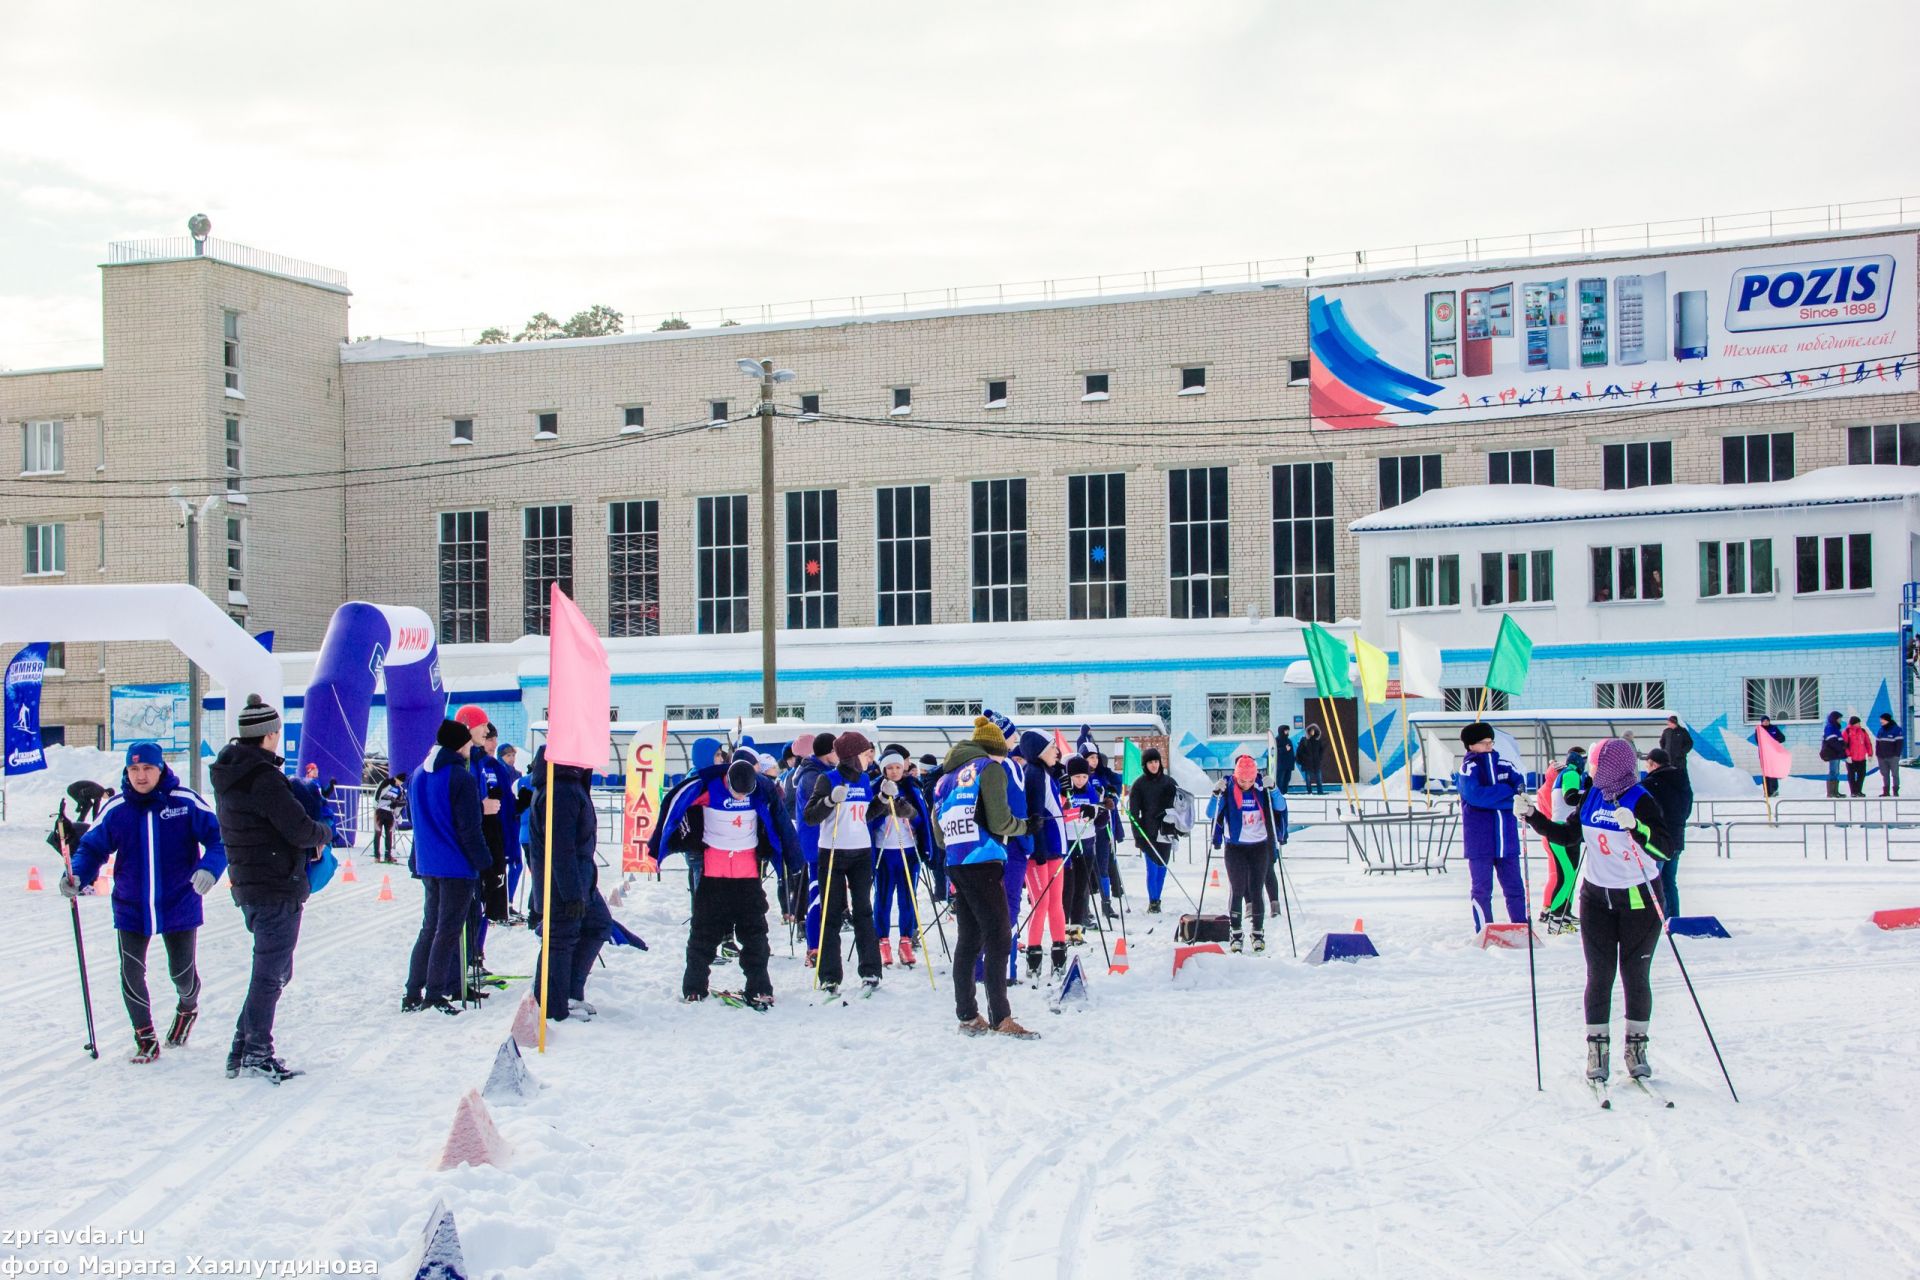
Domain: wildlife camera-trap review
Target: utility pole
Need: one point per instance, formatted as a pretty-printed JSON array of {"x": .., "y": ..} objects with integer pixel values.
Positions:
[{"x": 769, "y": 596}]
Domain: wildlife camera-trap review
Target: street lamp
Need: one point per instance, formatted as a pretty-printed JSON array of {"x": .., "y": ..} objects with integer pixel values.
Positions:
[{"x": 769, "y": 597}]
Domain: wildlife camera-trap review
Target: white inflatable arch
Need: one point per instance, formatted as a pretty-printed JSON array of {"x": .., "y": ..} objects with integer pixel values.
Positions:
[{"x": 174, "y": 612}]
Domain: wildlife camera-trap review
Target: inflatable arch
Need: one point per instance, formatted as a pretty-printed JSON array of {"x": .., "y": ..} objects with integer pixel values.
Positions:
[
  {"x": 364, "y": 643},
  {"x": 173, "y": 612}
]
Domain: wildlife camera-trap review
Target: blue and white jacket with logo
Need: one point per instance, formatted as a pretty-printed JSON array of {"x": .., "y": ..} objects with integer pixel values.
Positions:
[{"x": 158, "y": 841}]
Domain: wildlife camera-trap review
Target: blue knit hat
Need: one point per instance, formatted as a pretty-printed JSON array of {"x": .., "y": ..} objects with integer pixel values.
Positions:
[
  {"x": 1008, "y": 729},
  {"x": 146, "y": 753}
]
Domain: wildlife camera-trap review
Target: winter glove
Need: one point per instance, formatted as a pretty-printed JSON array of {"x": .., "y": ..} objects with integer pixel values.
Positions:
[
  {"x": 574, "y": 910},
  {"x": 203, "y": 882},
  {"x": 838, "y": 794},
  {"x": 69, "y": 887},
  {"x": 1522, "y": 804},
  {"x": 889, "y": 788},
  {"x": 1220, "y": 787}
]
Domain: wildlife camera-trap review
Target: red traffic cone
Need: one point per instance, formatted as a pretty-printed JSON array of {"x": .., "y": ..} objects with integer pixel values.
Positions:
[
  {"x": 1216, "y": 877},
  {"x": 33, "y": 880},
  {"x": 1359, "y": 925},
  {"x": 346, "y": 873},
  {"x": 1119, "y": 964},
  {"x": 386, "y": 889}
]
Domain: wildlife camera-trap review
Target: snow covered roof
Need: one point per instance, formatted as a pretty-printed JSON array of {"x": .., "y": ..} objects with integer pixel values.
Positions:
[{"x": 1493, "y": 504}]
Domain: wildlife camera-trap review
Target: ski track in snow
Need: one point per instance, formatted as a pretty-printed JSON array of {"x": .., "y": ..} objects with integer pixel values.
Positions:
[{"x": 1256, "y": 1116}]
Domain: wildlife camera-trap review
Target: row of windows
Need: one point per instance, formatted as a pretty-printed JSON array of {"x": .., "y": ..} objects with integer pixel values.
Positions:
[
  {"x": 1744, "y": 459},
  {"x": 1822, "y": 563}
]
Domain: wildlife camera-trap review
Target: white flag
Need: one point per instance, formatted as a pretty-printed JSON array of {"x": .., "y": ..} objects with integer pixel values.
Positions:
[{"x": 1419, "y": 665}]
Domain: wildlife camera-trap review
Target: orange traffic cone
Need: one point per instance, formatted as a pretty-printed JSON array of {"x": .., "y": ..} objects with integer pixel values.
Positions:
[
  {"x": 346, "y": 873},
  {"x": 1119, "y": 964},
  {"x": 1359, "y": 925},
  {"x": 33, "y": 880},
  {"x": 1216, "y": 877},
  {"x": 386, "y": 889}
]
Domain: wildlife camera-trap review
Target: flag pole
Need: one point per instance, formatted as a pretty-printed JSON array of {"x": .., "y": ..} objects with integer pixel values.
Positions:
[
  {"x": 1374, "y": 733},
  {"x": 546, "y": 903}
]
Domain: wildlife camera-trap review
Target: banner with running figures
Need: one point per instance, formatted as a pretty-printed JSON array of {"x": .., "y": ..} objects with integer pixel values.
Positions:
[{"x": 1723, "y": 326}]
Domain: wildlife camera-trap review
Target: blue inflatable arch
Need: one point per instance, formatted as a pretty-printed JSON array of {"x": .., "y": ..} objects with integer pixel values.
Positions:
[{"x": 366, "y": 643}]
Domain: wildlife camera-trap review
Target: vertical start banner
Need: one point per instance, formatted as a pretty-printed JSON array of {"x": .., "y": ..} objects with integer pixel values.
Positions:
[
  {"x": 646, "y": 770},
  {"x": 24, "y": 676}
]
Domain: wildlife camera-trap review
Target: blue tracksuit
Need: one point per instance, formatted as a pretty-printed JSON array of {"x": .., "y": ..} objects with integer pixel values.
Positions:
[
  {"x": 159, "y": 840},
  {"x": 894, "y": 874},
  {"x": 1488, "y": 786}
]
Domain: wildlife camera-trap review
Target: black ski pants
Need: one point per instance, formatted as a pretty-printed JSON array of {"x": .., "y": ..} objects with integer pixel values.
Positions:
[
  {"x": 1077, "y": 890},
  {"x": 1619, "y": 931},
  {"x": 433, "y": 970},
  {"x": 180, "y": 967},
  {"x": 724, "y": 906},
  {"x": 1247, "y": 868},
  {"x": 851, "y": 877},
  {"x": 984, "y": 926},
  {"x": 575, "y": 945},
  {"x": 275, "y": 926}
]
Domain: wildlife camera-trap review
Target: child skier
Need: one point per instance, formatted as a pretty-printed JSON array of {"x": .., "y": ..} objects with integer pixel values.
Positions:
[
  {"x": 1560, "y": 797},
  {"x": 1250, "y": 820},
  {"x": 898, "y": 822},
  {"x": 167, "y": 840},
  {"x": 1619, "y": 915},
  {"x": 838, "y": 807}
]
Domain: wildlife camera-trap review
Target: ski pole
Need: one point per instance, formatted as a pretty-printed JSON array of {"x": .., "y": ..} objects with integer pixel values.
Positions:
[
  {"x": 79, "y": 947},
  {"x": 913, "y": 891},
  {"x": 1286, "y": 898},
  {"x": 1646, "y": 882},
  {"x": 1533, "y": 988},
  {"x": 826, "y": 892},
  {"x": 1099, "y": 921}
]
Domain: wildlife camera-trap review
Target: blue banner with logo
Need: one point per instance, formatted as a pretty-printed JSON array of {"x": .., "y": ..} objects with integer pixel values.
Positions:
[{"x": 24, "y": 676}]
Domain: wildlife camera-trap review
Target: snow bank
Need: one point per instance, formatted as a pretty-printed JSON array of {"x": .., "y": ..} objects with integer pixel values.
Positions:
[{"x": 33, "y": 798}]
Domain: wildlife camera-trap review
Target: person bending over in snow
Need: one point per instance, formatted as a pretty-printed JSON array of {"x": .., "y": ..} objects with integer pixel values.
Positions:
[
  {"x": 1622, "y": 836},
  {"x": 1250, "y": 819},
  {"x": 1487, "y": 786},
  {"x": 89, "y": 797},
  {"x": 167, "y": 841}
]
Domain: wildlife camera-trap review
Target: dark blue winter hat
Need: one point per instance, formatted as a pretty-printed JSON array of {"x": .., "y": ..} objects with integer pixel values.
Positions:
[
  {"x": 146, "y": 753},
  {"x": 1008, "y": 729}
]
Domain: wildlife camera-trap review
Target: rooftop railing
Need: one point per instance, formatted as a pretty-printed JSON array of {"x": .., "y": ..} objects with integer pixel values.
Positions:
[{"x": 169, "y": 248}]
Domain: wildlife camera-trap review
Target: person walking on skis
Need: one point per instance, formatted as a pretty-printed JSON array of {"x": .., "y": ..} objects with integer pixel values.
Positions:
[
  {"x": 1487, "y": 786},
  {"x": 1619, "y": 917},
  {"x": 972, "y": 823},
  {"x": 897, "y": 819},
  {"x": 1250, "y": 820},
  {"x": 166, "y": 844}
]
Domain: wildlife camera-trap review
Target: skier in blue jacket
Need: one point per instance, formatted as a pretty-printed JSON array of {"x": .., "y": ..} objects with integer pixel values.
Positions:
[
  {"x": 166, "y": 842},
  {"x": 1487, "y": 786}
]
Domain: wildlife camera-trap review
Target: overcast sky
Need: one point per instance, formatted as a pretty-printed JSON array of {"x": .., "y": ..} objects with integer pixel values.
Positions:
[{"x": 468, "y": 164}]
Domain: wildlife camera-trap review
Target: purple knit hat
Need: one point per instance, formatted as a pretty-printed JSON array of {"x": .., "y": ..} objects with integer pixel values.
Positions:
[{"x": 1614, "y": 767}]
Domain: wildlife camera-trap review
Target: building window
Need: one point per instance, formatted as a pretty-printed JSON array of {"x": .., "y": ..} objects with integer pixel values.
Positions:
[
  {"x": 1299, "y": 372},
  {"x": 1630, "y": 695},
  {"x": 236, "y": 555},
  {"x": 1097, "y": 546},
  {"x": 1520, "y": 466},
  {"x": 902, "y": 401},
  {"x": 1516, "y": 577},
  {"x": 1464, "y": 698},
  {"x": 43, "y": 448},
  {"x": 1423, "y": 582},
  {"x": 1404, "y": 478},
  {"x": 1238, "y": 715},
  {"x": 1636, "y": 465},
  {"x": 1193, "y": 380},
  {"x": 1627, "y": 573},
  {"x": 903, "y": 537},
  {"x": 1886, "y": 444},
  {"x": 1743, "y": 568},
  {"x": 716, "y": 413},
  {"x": 685, "y": 711},
  {"x": 546, "y": 560},
  {"x": 785, "y": 711},
  {"x": 999, "y": 550},
  {"x": 230, "y": 349},
  {"x": 848, "y": 712},
  {"x": 953, "y": 706},
  {"x": 810, "y": 406},
  {"x": 1045, "y": 706},
  {"x": 56, "y": 659},
  {"x": 1197, "y": 556},
  {"x": 813, "y": 559},
  {"x": 1143, "y": 704},
  {"x": 1843, "y": 563},
  {"x": 1786, "y": 698},
  {"x": 463, "y": 431},
  {"x": 546, "y": 426},
  {"x": 463, "y": 577},
  {"x": 997, "y": 394},
  {"x": 236, "y": 463},
  {"x": 720, "y": 564},
  {"x": 1303, "y": 576},
  {"x": 1756, "y": 459},
  {"x": 633, "y": 568},
  {"x": 46, "y": 549},
  {"x": 633, "y": 418},
  {"x": 1094, "y": 387}
]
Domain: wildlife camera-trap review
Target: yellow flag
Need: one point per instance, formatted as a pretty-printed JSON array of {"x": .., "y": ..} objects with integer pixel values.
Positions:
[{"x": 1373, "y": 669}]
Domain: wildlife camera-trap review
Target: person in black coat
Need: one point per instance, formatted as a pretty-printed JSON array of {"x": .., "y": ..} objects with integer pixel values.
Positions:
[
  {"x": 1672, "y": 790},
  {"x": 269, "y": 841},
  {"x": 1677, "y": 743},
  {"x": 1148, "y": 801},
  {"x": 1312, "y": 755},
  {"x": 1283, "y": 759},
  {"x": 90, "y": 797},
  {"x": 577, "y": 915}
]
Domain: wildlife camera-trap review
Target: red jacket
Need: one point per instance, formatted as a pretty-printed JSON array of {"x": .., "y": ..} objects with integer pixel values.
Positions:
[{"x": 1859, "y": 743}]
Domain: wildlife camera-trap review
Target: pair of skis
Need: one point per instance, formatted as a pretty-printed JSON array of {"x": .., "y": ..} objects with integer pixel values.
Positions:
[{"x": 1604, "y": 1096}]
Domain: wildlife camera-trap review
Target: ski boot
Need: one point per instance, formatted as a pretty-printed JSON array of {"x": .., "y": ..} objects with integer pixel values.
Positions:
[
  {"x": 1638, "y": 1068},
  {"x": 269, "y": 1068},
  {"x": 1259, "y": 942},
  {"x": 411, "y": 1004},
  {"x": 1236, "y": 943},
  {"x": 1059, "y": 958},
  {"x": 762, "y": 1002},
  {"x": 868, "y": 986},
  {"x": 1598, "y": 1066},
  {"x": 1153, "y": 906},
  {"x": 183, "y": 1020},
  {"x": 1033, "y": 963},
  {"x": 693, "y": 997},
  {"x": 906, "y": 952},
  {"x": 146, "y": 1045},
  {"x": 886, "y": 953},
  {"x": 440, "y": 1004}
]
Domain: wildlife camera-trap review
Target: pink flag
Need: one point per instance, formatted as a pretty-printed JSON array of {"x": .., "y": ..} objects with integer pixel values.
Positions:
[
  {"x": 580, "y": 690},
  {"x": 1775, "y": 760}
]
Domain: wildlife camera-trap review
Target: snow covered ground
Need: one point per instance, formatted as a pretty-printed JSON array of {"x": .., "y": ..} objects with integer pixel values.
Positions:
[{"x": 1256, "y": 1116}]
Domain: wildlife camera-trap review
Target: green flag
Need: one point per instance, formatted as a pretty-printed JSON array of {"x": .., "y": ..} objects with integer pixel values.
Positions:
[
  {"x": 1329, "y": 658},
  {"x": 1130, "y": 763},
  {"x": 1512, "y": 655}
]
